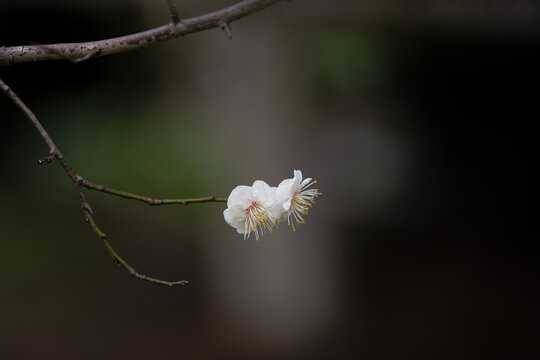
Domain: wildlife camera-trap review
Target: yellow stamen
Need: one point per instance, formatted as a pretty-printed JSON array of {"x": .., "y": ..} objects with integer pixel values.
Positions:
[
  {"x": 257, "y": 219},
  {"x": 301, "y": 202}
]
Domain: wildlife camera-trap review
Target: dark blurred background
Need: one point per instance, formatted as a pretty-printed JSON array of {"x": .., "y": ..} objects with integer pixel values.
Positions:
[{"x": 415, "y": 117}]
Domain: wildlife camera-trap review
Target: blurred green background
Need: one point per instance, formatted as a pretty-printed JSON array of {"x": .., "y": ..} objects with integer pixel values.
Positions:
[{"x": 415, "y": 117}]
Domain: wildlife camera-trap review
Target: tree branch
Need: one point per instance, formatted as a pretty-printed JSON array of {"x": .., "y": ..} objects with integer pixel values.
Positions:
[
  {"x": 78, "y": 182},
  {"x": 83, "y": 51},
  {"x": 122, "y": 262},
  {"x": 148, "y": 200}
]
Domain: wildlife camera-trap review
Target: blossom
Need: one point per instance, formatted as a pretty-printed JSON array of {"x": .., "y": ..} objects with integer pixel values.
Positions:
[
  {"x": 293, "y": 199},
  {"x": 260, "y": 207},
  {"x": 249, "y": 209}
]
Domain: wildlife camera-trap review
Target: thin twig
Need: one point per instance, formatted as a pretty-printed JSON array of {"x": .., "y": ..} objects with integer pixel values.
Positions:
[
  {"x": 77, "y": 51},
  {"x": 87, "y": 210},
  {"x": 47, "y": 159},
  {"x": 119, "y": 260},
  {"x": 227, "y": 29},
  {"x": 148, "y": 200},
  {"x": 173, "y": 11}
]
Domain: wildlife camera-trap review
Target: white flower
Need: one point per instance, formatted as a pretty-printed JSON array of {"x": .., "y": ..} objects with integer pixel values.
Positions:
[
  {"x": 249, "y": 209},
  {"x": 260, "y": 207},
  {"x": 293, "y": 199}
]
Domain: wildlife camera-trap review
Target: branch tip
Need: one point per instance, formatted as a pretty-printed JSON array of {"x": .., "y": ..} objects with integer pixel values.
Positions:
[
  {"x": 226, "y": 28},
  {"x": 46, "y": 159}
]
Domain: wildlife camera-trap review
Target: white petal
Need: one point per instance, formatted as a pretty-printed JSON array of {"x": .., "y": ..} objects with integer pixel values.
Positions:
[
  {"x": 285, "y": 185},
  {"x": 272, "y": 191},
  {"x": 232, "y": 215},
  {"x": 239, "y": 195},
  {"x": 259, "y": 188},
  {"x": 297, "y": 179},
  {"x": 297, "y": 174},
  {"x": 263, "y": 193},
  {"x": 242, "y": 230},
  {"x": 287, "y": 204}
]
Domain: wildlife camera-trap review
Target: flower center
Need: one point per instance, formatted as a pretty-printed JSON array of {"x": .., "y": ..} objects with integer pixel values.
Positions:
[
  {"x": 258, "y": 219},
  {"x": 301, "y": 202}
]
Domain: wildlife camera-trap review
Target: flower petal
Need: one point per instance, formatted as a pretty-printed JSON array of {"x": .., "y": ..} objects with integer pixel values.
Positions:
[
  {"x": 287, "y": 204},
  {"x": 239, "y": 195}
]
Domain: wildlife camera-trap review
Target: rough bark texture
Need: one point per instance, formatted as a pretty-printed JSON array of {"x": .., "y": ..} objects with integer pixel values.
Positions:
[{"x": 78, "y": 52}]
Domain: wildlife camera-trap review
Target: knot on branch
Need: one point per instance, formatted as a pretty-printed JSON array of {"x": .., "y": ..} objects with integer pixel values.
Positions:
[
  {"x": 93, "y": 51},
  {"x": 86, "y": 208},
  {"x": 47, "y": 159},
  {"x": 152, "y": 201}
]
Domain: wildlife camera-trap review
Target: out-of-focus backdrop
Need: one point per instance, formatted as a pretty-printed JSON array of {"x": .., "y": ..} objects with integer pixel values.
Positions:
[{"x": 414, "y": 116}]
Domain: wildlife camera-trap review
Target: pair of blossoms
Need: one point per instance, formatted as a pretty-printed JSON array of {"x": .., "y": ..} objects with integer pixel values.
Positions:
[{"x": 260, "y": 207}]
